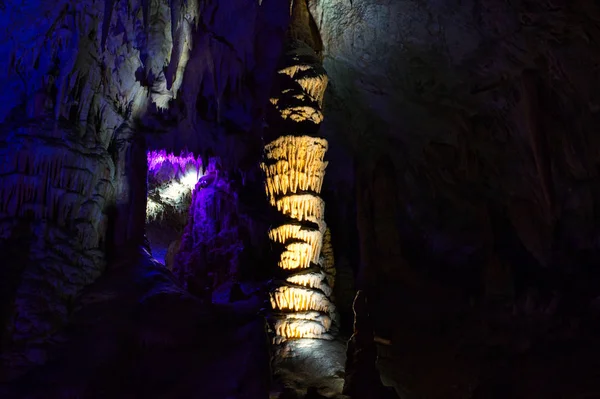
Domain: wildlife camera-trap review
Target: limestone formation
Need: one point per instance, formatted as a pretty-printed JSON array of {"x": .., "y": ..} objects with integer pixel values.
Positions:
[{"x": 294, "y": 168}]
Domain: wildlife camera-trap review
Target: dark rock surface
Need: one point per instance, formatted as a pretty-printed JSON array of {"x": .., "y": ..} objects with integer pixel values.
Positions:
[
  {"x": 471, "y": 126},
  {"x": 138, "y": 334}
]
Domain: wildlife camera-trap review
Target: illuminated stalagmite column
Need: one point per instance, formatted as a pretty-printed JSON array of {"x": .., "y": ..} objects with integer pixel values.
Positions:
[
  {"x": 294, "y": 166},
  {"x": 295, "y": 169}
]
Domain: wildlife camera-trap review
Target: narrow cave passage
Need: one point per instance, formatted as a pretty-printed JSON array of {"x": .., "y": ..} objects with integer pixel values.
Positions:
[{"x": 172, "y": 180}]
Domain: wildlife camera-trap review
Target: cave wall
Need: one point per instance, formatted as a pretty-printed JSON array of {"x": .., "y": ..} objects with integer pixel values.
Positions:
[
  {"x": 89, "y": 88},
  {"x": 472, "y": 130},
  {"x": 480, "y": 99}
]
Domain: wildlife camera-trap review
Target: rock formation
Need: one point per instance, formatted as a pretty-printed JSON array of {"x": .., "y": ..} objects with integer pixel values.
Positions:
[
  {"x": 294, "y": 166},
  {"x": 211, "y": 246}
]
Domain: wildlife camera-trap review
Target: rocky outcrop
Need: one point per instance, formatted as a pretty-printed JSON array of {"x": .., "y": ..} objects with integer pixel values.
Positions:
[
  {"x": 362, "y": 380},
  {"x": 462, "y": 92}
]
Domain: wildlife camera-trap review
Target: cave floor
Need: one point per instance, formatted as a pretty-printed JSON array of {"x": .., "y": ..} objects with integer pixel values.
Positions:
[
  {"x": 136, "y": 334},
  {"x": 311, "y": 363},
  {"x": 444, "y": 351}
]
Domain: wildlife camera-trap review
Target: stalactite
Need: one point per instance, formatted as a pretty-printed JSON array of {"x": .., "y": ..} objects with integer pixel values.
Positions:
[
  {"x": 300, "y": 299},
  {"x": 316, "y": 280},
  {"x": 327, "y": 259}
]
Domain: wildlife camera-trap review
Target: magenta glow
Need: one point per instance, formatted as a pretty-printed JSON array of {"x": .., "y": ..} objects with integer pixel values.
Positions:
[{"x": 158, "y": 159}]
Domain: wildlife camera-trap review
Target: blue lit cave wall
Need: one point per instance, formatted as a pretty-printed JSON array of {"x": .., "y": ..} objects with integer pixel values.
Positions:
[{"x": 95, "y": 92}]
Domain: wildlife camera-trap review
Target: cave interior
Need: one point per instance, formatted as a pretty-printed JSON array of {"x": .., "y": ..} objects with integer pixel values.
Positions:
[{"x": 269, "y": 199}]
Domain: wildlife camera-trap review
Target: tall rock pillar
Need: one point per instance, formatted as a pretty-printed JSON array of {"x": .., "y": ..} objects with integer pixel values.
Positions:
[{"x": 295, "y": 168}]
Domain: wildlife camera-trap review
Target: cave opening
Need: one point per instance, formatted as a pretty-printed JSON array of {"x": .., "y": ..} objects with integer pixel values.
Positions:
[{"x": 172, "y": 180}]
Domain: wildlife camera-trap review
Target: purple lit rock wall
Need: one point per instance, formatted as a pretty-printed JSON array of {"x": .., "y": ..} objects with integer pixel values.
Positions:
[
  {"x": 163, "y": 165},
  {"x": 214, "y": 240}
]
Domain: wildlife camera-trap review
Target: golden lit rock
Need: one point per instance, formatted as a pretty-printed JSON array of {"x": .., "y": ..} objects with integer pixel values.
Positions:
[
  {"x": 296, "y": 256},
  {"x": 314, "y": 87},
  {"x": 305, "y": 248},
  {"x": 300, "y": 299},
  {"x": 294, "y": 164},
  {"x": 294, "y": 168},
  {"x": 316, "y": 280},
  {"x": 311, "y": 77},
  {"x": 303, "y": 325},
  {"x": 302, "y": 207},
  {"x": 302, "y": 113}
]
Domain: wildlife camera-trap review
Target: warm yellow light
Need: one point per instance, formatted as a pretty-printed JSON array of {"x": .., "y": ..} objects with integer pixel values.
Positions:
[
  {"x": 296, "y": 256},
  {"x": 300, "y": 299},
  {"x": 312, "y": 79},
  {"x": 294, "y": 167},
  {"x": 305, "y": 246},
  {"x": 303, "y": 325},
  {"x": 302, "y": 207},
  {"x": 302, "y": 113}
]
